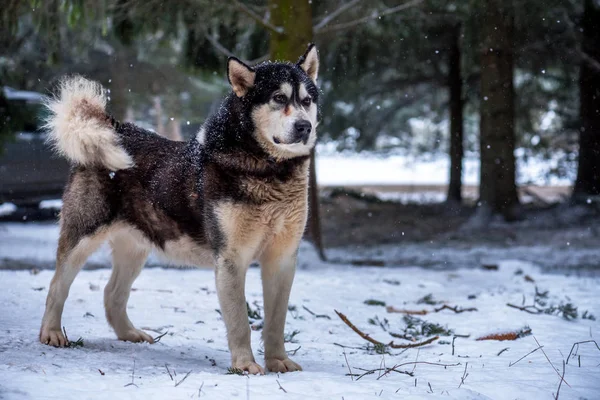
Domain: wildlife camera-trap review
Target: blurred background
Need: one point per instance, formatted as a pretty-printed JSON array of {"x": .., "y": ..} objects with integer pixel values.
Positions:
[{"x": 439, "y": 118}]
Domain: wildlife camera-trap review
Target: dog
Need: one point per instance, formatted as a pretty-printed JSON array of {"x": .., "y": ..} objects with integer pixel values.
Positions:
[{"x": 235, "y": 193}]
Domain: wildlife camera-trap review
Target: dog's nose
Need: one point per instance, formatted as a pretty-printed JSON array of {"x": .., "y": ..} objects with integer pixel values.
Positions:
[{"x": 302, "y": 130}]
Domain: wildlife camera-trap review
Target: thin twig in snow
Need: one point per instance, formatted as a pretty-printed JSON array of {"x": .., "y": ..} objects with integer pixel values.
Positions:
[
  {"x": 392, "y": 309},
  {"x": 416, "y": 359},
  {"x": 578, "y": 343},
  {"x": 169, "y": 372},
  {"x": 465, "y": 374},
  {"x": 378, "y": 343},
  {"x": 349, "y": 370},
  {"x": 502, "y": 351},
  {"x": 293, "y": 352},
  {"x": 510, "y": 364},
  {"x": 316, "y": 315},
  {"x": 184, "y": 378},
  {"x": 157, "y": 339},
  {"x": 395, "y": 368},
  {"x": 280, "y": 387},
  {"x": 66, "y": 337},
  {"x": 132, "y": 376},
  {"x": 553, "y": 367},
  {"x": 456, "y": 309},
  {"x": 348, "y": 347},
  {"x": 562, "y": 379},
  {"x": 529, "y": 309}
]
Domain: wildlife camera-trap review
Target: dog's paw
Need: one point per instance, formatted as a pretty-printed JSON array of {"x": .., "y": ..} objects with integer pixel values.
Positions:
[
  {"x": 53, "y": 337},
  {"x": 250, "y": 367},
  {"x": 281, "y": 366},
  {"x": 135, "y": 336}
]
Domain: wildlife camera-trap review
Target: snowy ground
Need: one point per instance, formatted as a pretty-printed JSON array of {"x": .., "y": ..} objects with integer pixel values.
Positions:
[
  {"x": 183, "y": 303},
  {"x": 336, "y": 169}
]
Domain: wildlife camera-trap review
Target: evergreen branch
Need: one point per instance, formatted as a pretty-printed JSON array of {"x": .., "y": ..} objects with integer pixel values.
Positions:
[
  {"x": 228, "y": 53},
  {"x": 218, "y": 46},
  {"x": 350, "y": 24},
  {"x": 266, "y": 24},
  {"x": 590, "y": 61},
  {"x": 336, "y": 13}
]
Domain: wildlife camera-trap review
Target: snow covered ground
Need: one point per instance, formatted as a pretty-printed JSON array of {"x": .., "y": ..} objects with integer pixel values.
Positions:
[
  {"x": 184, "y": 303},
  {"x": 336, "y": 169}
]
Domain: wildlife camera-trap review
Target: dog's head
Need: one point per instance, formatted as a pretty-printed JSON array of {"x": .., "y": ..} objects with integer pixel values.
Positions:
[{"x": 281, "y": 100}]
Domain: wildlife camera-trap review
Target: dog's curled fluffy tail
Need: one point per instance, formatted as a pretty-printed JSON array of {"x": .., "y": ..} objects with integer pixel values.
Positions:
[{"x": 79, "y": 127}]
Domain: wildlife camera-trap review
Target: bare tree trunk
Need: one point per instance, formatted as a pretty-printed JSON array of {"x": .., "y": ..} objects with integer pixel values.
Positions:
[
  {"x": 118, "y": 85},
  {"x": 295, "y": 17},
  {"x": 158, "y": 114},
  {"x": 588, "y": 172},
  {"x": 497, "y": 190},
  {"x": 456, "y": 120}
]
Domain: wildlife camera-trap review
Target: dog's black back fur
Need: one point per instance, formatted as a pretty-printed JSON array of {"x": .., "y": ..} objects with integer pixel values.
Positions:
[{"x": 171, "y": 188}]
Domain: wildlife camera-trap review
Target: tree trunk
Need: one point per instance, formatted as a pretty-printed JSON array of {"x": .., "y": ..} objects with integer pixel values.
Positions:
[
  {"x": 497, "y": 188},
  {"x": 119, "y": 86},
  {"x": 295, "y": 17},
  {"x": 456, "y": 120},
  {"x": 588, "y": 172}
]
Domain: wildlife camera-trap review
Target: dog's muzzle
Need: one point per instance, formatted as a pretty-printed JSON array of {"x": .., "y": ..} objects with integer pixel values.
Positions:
[{"x": 302, "y": 129}]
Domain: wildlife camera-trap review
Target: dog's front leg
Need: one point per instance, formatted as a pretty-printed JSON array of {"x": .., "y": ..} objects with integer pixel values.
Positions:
[
  {"x": 231, "y": 279},
  {"x": 277, "y": 272}
]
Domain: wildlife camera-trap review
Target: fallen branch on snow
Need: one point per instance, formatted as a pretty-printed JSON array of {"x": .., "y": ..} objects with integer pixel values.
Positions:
[
  {"x": 377, "y": 342},
  {"x": 507, "y": 335},
  {"x": 552, "y": 365},
  {"x": 562, "y": 379},
  {"x": 529, "y": 309},
  {"x": 395, "y": 369},
  {"x": 315, "y": 314},
  {"x": 184, "y": 378},
  {"x": 456, "y": 309},
  {"x": 465, "y": 375},
  {"x": 578, "y": 343}
]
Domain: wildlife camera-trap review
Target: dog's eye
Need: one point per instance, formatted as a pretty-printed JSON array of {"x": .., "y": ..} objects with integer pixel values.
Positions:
[
  {"x": 306, "y": 101},
  {"x": 280, "y": 98}
]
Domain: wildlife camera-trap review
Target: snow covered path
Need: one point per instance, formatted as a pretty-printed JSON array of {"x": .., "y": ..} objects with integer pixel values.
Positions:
[{"x": 183, "y": 302}]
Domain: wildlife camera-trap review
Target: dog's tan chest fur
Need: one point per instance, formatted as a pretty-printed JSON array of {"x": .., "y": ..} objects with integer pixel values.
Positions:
[{"x": 276, "y": 216}]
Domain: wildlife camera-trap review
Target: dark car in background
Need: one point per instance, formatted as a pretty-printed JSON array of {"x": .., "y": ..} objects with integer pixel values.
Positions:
[{"x": 30, "y": 172}]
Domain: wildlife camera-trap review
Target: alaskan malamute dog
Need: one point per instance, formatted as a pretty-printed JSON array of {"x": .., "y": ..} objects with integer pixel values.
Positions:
[{"x": 235, "y": 193}]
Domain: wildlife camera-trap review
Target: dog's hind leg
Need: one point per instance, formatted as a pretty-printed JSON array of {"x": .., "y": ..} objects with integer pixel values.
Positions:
[
  {"x": 72, "y": 253},
  {"x": 129, "y": 257}
]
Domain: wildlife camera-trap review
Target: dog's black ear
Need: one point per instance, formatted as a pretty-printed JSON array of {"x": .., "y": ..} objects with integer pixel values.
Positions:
[
  {"x": 241, "y": 76},
  {"x": 309, "y": 62}
]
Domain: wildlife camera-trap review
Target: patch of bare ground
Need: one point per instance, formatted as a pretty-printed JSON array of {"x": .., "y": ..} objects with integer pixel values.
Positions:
[{"x": 356, "y": 217}]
